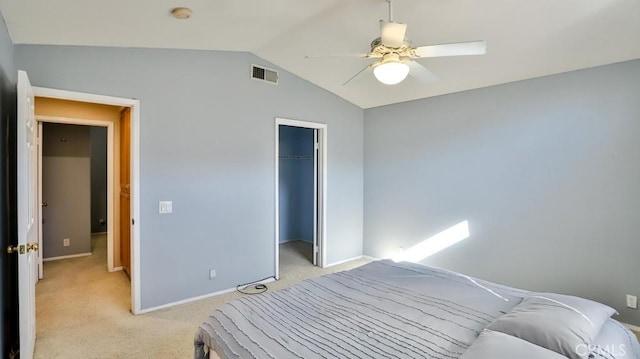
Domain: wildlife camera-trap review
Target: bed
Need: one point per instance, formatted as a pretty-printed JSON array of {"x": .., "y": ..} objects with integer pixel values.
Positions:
[{"x": 404, "y": 310}]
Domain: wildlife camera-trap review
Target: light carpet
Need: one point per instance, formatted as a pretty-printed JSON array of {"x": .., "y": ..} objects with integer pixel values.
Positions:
[{"x": 83, "y": 311}]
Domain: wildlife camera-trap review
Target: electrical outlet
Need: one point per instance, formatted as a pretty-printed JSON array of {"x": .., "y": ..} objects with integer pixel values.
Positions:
[
  {"x": 66, "y": 242},
  {"x": 165, "y": 207},
  {"x": 632, "y": 301},
  {"x": 212, "y": 273}
]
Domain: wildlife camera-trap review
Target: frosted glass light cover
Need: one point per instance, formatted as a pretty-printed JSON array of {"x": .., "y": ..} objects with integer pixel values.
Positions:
[{"x": 391, "y": 73}]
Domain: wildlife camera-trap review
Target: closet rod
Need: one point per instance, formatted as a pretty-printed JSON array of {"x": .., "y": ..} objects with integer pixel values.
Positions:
[{"x": 294, "y": 157}]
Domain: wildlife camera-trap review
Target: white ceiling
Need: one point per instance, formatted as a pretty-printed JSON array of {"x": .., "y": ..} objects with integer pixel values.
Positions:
[{"x": 525, "y": 39}]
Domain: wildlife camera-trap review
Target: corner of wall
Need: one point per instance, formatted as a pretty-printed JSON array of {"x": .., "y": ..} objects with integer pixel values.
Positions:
[{"x": 6, "y": 52}]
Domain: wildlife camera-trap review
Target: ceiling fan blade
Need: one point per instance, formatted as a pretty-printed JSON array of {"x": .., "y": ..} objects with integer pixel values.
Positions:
[
  {"x": 392, "y": 33},
  {"x": 362, "y": 56},
  {"x": 454, "y": 49},
  {"x": 421, "y": 73},
  {"x": 359, "y": 75}
]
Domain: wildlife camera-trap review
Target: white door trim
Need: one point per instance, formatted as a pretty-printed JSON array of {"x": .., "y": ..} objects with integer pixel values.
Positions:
[
  {"x": 315, "y": 249},
  {"x": 110, "y": 170},
  {"x": 135, "y": 172},
  {"x": 322, "y": 167}
]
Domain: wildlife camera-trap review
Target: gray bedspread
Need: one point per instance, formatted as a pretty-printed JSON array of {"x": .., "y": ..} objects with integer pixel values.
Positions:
[{"x": 380, "y": 310}]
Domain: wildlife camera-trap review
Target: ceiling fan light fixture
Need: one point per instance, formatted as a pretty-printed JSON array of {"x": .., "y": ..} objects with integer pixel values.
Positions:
[{"x": 391, "y": 72}]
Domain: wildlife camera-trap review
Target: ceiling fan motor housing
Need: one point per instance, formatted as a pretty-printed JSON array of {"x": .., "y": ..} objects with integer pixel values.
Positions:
[{"x": 379, "y": 50}]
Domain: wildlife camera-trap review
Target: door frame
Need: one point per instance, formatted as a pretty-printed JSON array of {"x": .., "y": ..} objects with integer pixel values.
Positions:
[
  {"x": 110, "y": 170},
  {"x": 322, "y": 167},
  {"x": 134, "y": 104}
]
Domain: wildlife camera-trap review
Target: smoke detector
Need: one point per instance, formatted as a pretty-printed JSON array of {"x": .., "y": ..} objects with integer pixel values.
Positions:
[{"x": 181, "y": 13}]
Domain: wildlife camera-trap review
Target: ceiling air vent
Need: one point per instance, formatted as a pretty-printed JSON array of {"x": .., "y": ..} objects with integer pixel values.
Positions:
[{"x": 264, "y": 74}]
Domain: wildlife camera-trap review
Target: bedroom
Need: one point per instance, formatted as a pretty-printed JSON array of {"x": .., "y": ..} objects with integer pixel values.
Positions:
[{"x": 546, "y": 185}]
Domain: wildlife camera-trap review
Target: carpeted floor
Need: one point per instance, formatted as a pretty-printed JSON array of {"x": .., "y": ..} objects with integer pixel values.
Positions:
[{"x": 82, "y": 311}]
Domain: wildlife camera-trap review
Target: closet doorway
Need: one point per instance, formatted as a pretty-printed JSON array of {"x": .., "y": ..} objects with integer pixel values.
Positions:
[
  {"x": 73, "y": 182},
  {"x": 300, "y": 159}
]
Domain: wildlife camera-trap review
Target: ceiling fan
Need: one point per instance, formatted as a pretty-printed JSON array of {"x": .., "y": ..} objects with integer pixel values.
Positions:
[{"x": 396, "y": 54}]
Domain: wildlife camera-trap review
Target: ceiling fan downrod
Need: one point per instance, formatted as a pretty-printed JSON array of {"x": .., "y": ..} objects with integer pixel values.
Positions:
[{"x": 390, "y": 10}]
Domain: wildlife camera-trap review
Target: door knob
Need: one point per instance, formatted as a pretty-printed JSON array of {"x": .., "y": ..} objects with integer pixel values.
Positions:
[
  {"x": 44, "y": 204},
  {"x": 15, "y": 249},
  {"x": 32, "y": 247}
]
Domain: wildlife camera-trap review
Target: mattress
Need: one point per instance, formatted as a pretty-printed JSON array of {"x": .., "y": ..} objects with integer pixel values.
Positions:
[{"x": 380, "y": 310}]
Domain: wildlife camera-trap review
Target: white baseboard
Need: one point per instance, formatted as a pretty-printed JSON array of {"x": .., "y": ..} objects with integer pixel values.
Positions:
[
  {"x": 115, "y": 269},
  {"x": 295, "y": 240},
  {"x": 635, "y": 328},
  {"x": 66, "y": 257},
  {"x": 343, "y": 261},
  {"x": 373, "y": 259},
  {"x": 189, "y": 300}
]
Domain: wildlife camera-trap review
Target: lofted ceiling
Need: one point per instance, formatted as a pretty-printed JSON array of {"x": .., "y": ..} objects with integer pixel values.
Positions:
[{"x": 525, "y": 39}]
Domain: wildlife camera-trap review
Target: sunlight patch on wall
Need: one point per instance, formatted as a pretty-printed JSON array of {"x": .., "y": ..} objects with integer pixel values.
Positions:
[{"x": 434, "y": 244}]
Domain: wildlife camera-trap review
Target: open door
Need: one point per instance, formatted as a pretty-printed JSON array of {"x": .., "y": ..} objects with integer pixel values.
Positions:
[
  {"x": 125, "y": 190},
  {"x": 27, "y": 216},
  {"x": 40, "y": 203}
]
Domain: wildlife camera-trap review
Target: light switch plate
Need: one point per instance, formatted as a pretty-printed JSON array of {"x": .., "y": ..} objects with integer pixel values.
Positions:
[
  {"x": 632, "y": 301},
  {"x": 165, "y": 207}
]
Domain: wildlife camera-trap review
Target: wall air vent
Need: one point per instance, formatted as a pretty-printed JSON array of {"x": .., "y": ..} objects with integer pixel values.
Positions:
[{"x": 264, "y": 74}]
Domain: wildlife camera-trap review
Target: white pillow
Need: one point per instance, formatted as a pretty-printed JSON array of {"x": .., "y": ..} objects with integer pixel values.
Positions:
[
  {"x": 561, "y": 323},
  {"x": 496, "y": 345}
]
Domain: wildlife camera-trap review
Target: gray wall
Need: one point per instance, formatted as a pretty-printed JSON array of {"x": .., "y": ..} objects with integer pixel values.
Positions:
[
  {"x": 296, "y": 183},
  {"x": 546, "y": 172},
  {"x": 66, "y": 187},
  {"x": 98, "y": 179},
  {"x": 207, "y": 144},
  {"x": 8, "y": 233}
]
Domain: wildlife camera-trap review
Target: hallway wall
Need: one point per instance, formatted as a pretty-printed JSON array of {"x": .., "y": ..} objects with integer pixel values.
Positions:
[{"x": 66, "y": 188}]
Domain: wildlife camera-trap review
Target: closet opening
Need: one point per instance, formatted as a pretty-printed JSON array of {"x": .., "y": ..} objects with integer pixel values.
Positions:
[{"x": 300, "y": 193}]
